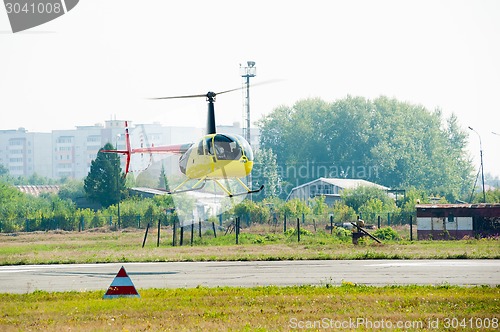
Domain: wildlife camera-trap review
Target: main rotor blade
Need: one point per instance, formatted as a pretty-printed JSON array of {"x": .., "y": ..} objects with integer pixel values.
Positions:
[
  {"x": 180, "y": 97},
  {"x": 219, "y": 93},
  {"x": 216, "y": 93},
  {"x": 251, "y": 85}
]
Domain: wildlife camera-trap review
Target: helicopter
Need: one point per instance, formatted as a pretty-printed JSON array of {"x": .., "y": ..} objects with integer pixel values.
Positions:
[{"x": 214, "y": 157}]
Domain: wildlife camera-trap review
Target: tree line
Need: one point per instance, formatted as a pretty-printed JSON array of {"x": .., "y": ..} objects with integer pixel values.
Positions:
[{"x": 386, "y": 141}]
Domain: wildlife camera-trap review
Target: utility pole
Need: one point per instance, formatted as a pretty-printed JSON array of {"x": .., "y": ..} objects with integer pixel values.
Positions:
[
  {"x": 247, "y": 72},
  {"x": 482, "y": 167}
]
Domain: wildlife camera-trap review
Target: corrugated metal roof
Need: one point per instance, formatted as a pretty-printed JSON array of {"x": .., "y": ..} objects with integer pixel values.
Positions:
[
  {"x": 455, "y": 206},
  {"x": 39, "y": 189},
  {"x": 344, "y": 183}
]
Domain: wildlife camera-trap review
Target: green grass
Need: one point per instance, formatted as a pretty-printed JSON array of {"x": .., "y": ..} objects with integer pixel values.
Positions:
[
  {"x": 248, "y": 309},
  {"x": 125, "y": 246}
]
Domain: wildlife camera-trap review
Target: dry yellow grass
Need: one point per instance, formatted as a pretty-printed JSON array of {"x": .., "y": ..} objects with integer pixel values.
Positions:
[{"x": 125, "y": 246}]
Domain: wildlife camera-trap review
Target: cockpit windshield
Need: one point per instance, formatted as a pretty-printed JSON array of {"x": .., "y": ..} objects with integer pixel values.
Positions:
[
  {"x": 226, "y": 148},
  {"x": 246, "y": 147}
]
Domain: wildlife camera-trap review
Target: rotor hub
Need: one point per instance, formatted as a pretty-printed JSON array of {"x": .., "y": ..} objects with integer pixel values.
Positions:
[{"x": 211, "y": 95}]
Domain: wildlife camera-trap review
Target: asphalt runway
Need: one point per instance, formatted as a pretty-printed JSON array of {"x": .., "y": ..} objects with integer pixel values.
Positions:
[{"x": 83, "y": 277}]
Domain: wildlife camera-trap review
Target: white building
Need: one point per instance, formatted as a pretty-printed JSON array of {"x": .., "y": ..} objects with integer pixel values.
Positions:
[
  {"x": 24, "y": 153},
  {"x": 331, "y": 188}
]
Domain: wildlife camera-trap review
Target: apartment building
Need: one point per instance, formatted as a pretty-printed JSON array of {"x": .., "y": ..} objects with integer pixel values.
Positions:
[
  {"x": 23, "y": 153},
  {"x": 69, "y": 153}
]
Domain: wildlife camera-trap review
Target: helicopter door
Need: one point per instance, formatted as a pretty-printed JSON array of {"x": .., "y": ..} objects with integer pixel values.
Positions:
[{"x": 205, "y": 147}]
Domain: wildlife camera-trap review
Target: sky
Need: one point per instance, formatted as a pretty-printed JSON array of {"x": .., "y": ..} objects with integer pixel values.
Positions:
[{"x": 104, "y": 59}]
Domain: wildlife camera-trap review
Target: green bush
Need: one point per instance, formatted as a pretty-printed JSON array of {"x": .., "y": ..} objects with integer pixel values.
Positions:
[
  {"x": 386, "y": 233},
  {"x": 342, "y": 233},
  {"x": 292, "y": 231}
]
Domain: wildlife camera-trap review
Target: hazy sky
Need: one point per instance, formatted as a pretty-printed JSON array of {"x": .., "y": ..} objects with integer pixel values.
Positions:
[{"x": 104, "y": 58}]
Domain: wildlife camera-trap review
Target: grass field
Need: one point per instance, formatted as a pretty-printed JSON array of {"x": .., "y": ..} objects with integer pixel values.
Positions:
[
  {"x": 100, "y": 246},
  {"x": 409, "y": 308},
  {"x": 345, "y": 307}
]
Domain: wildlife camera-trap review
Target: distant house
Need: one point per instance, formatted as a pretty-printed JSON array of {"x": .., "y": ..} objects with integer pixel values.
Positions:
[
  {"x": 454, "y": 221},
  {"x": 331, "y": 188}
]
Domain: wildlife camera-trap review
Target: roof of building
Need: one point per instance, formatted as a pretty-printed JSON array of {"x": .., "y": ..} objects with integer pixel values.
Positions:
[
  {"x": 39, "y": 189},
  {"x": 340, "y": 183},
  {"x": 458, "y": 206},
  {"x": 344, "y": 183}
]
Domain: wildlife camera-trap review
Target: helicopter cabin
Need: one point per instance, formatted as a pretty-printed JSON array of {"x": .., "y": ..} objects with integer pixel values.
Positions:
[{"x": 224, "y": 147}]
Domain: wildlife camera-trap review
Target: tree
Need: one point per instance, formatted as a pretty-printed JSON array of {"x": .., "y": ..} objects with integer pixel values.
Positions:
[
  {"x": 163, "y": 181},
  {"x": 319, "y": 207},
  {"x": 360, "y": 197},
  {"x": 265, "y": 171},
  {"x": 3, "y": 170},
  {"x": 71, "y": 189},
  {"x": 104, "y": 183},
  {"x": 393, "y": 143}
]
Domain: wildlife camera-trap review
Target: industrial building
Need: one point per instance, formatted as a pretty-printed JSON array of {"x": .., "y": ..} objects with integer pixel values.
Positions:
[
  {"x": 456, "y": 221},
  {"x": 331, "y": 188}
]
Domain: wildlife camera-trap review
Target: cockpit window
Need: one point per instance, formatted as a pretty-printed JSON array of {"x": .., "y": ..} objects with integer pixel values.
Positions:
[
  {"x": 246, "y": 147},
  {"x": 209, "y": 146},
  {"x": 200, "y": 148},
  {"x": 227, "y": 148}
]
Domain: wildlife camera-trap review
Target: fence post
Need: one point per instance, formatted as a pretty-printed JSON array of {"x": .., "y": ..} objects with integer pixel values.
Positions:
[
  {"x": 199, "y": 227},
  {"x": 213, "y": 227},
  {"x": 378, "y": 222},
  {"x": 411, "y": 228},
  {"x": 182, "y": 235},
  {"x": 331, "y": 225},
  {"x": 145, "y": 235},
  {"x": 298, "y": 230},
  {"x": 174, "y": 234},
  {"x": 158, "y": 239},
  {"x": 284, "y": 224},
  {"x": 192, "y": 231},
  {"x": 237, "y": 229}
]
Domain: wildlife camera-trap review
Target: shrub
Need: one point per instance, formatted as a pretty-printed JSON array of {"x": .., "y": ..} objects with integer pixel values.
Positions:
[{"x": 386, "y": 233}]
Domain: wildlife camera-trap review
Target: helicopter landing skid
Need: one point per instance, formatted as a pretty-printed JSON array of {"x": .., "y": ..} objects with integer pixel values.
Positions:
[
  {"x": 203, "y": 182},
  {"x": 194, "y": 188},
  {"x": 248, "y": 190},
  {"x": 187, "y": 190}
]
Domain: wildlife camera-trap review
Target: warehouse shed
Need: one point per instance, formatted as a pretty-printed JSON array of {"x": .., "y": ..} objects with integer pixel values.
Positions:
[
  {"x": 455, "y": 221},
  {"x": 331, "y": 188}
]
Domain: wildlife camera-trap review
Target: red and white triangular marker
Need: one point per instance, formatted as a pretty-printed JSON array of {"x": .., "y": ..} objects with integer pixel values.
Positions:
[{"x": 122, "y": 286}]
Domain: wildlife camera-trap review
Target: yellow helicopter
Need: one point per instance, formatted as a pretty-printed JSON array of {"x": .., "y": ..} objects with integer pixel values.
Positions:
[{"x": 214, "y": 157}]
